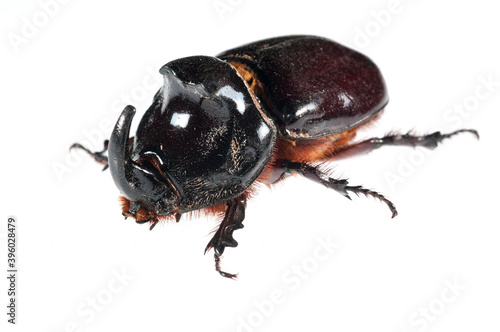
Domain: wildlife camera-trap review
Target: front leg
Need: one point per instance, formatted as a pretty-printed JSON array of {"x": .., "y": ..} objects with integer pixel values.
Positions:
[
  {"x": 233, "y": 220},
  {"x": 98, "y": 156}
]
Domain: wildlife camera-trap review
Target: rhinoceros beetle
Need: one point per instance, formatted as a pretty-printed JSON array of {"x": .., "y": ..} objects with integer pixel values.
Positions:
[{"x": 221, "y": 125}]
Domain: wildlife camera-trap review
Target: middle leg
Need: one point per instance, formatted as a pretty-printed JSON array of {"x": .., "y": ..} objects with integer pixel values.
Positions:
[{"x": 315, "y": 174}]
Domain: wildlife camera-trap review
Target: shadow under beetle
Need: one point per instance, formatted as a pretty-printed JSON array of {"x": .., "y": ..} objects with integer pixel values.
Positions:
[{"x": 220, "y": 125}]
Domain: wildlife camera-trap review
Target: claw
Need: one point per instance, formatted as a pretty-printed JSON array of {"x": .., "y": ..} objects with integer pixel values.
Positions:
[
  {"x": 222, "y": 273},
  {"x": 370, "y": 193},
  {"x": 471, "y": 131},
  {"x": 153, "y": 223}
]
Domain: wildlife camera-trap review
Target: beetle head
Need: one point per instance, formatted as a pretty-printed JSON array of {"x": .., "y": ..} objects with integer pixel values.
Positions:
[{"x": 147, "y": 192}]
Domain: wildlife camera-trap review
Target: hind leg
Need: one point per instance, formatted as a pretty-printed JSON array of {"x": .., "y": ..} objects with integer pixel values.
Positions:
[{"x": 428, "y": 141}]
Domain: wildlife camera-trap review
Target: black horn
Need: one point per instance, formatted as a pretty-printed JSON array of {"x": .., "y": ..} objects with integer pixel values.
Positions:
[{"x": 120, "y": 162}]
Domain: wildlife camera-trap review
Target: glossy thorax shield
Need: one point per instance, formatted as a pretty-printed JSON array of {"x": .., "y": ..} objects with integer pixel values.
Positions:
[{"x": 205, "y": 133}]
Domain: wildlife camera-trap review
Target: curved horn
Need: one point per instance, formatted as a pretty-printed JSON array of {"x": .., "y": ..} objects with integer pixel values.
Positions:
[{"x": 118, "y": 155}]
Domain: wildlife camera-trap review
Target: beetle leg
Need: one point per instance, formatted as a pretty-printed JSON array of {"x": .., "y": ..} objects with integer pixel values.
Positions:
[
  {"x": 233, "y": 220},
  {"x": 98, "y": 156},
  {"x": 428, "y": 141},
  {"x": 341, "y": 186}
]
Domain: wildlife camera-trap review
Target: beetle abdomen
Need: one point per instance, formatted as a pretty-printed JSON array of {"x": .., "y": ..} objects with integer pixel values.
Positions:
[{"x": 314, "y": 87}]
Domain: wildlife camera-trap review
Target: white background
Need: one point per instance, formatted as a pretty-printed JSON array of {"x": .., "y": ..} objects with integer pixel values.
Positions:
[{"x": 70, "y": 74}]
